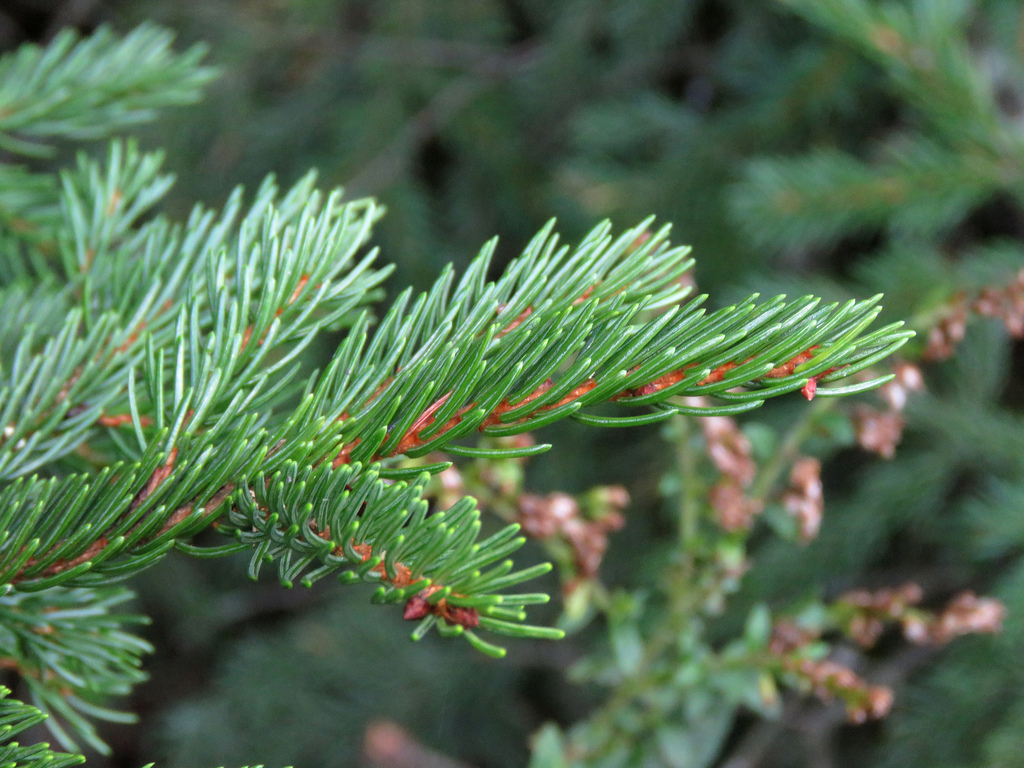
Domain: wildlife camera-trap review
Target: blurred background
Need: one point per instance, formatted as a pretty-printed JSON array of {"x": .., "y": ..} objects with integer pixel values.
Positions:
[{"x": 839, "y": 147}]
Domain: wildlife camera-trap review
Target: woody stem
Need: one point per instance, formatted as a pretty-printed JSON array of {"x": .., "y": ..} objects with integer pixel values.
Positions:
[
  {"x": 682, "y": 595},
  {"x": 689, "y": 495}
]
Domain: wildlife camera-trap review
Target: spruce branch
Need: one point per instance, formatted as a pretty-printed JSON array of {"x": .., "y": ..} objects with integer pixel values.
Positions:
[
  {"x": 565, "y": 329},
  {"x": 162, "y": 362},
  {"x": 70, "y": 649},
  {"x": 150, "y": 380},
  {"x": 923, "y": 183},
  {"x": 86, "y": 88},
  {"x": 923, "y": 49},
  {"x": 15, "y": 717},
  {"x": 562, "y": 329},
  {"x": 256, "y": 288},
  {"x": 418, "y": 352},
  {"x": 914, "y": 186},
  {"x": 28, "y": 211},
  {"x": 315, "y": 521},
  {"x": 284, "y": 269}
]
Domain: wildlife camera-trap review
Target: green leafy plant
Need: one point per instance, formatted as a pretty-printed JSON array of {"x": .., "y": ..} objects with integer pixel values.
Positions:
[
  {"x": 939, "y": 190},
  {"x": 153, "y": 383}
]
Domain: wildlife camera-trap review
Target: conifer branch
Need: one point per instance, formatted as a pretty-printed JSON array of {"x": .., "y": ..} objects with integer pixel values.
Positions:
[
  {"x": 149, "y": 378},
  {"x": 916, "y": 186},
  {"x": 924, "y": 52},
  {"x": 78, "y": 88},
  {"x": 71, "y": 651},
  {"x": 28, "y": 206},
  {"x": 564, "y": 329},
  {"x": 16, "y": 717},
  {"x": 430, "y": 375},
  {"x": 916, "y": 183},
  {"x": 314, "y": 522},
  {"x": 137, "y": 290}
]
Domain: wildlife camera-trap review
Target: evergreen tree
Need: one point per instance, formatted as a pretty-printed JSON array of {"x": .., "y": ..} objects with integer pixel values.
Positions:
[
  {"x": 835, "y": 148},
  {"x": 154, "y": 387}
]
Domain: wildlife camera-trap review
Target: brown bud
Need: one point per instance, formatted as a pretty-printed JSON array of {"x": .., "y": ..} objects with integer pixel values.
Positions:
[
  {"x": 908, "y": 379},
  {"x": 558, "y": 514},
  {"x": 968, "y": 614},
  {"x": 466, "y": 617},
  {"x": 788, "y": 636},
  {"x": 734, "y": 510},
  {"x": 805, "y": 498},
  {"x": 878, "y": 431},
  {"x": 416, "y": 607},
  {"x": 875, "y": 704},
  {"x": 865, "y": 630},
  {"x": 729, "y": 449},
  {"x": 947, "y": 334}
]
